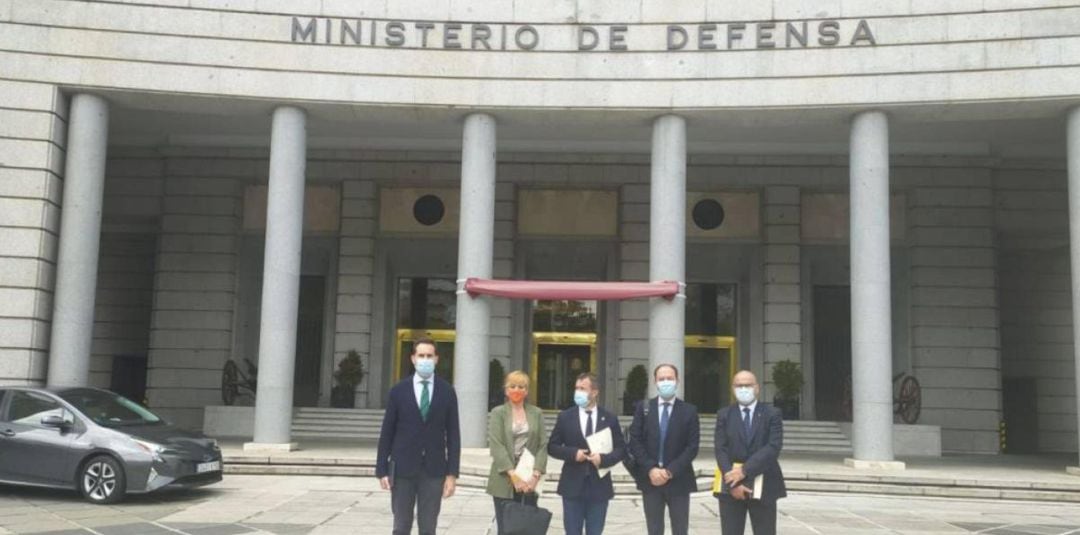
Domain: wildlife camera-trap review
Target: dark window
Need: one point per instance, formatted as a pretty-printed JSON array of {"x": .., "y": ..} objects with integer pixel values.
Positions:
[
  {"x": 428, "y": 210},
  {"x": 426, "y": 303},
  {"x": 108, "y": 409},
  {"x": 28, "y": 408},
  {"x": 564, "y": 316},
  {"x": 708, "y": 214},
  {"x": 710, "y": 309}
]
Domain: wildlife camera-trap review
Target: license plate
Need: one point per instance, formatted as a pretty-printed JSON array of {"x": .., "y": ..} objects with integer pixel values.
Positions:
[{"x": 214, "y": 466}]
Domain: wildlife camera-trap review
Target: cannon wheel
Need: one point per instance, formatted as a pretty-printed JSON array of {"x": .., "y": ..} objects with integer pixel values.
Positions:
[
  {"x": 909, "y": 400},
  {"x": 229, "y": 378}
]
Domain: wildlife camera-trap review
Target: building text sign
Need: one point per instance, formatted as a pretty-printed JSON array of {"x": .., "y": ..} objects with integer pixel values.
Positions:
[{"x": 762, "y": 35}]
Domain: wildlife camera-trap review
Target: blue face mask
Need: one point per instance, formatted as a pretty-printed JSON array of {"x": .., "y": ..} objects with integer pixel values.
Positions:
[
  {"x": 745, "y": 394},
  {"x": 666, "y": 388},
  {"x": 425, "y": 368},
  {"x": 581, "y": 397}
]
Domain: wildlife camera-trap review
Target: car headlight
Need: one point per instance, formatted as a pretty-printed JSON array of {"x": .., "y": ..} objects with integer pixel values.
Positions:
[{"x": 152, "y": 448}]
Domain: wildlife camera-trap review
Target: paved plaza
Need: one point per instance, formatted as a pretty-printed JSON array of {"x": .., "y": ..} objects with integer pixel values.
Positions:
[{"x": 294, "y": 505}]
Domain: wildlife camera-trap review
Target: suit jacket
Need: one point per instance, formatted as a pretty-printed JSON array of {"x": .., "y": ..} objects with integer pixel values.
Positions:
[
  {"x": 680, "y": 446},
  {"x": 581, "y": 480},
  {"x": 759, "y": 453},
  {"x": 431, "y": 448},
  {"x": 501, "y": 446}
]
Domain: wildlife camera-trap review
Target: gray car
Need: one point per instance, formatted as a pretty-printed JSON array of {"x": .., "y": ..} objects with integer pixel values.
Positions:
[{"x": 98, "y": 442}]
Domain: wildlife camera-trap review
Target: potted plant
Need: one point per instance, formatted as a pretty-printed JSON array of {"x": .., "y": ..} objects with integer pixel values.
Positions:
[
  {"x": 349, "y": 374},
  {"x": 496, "y": 373},
  {"x": 788, "y": 378},
  {"x": 637, "y": 381}
]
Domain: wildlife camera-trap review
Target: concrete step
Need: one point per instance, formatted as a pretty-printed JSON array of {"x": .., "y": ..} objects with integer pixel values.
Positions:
[
  {"x": 365, "y": 424},
  {"x": 624, "y": 486}
]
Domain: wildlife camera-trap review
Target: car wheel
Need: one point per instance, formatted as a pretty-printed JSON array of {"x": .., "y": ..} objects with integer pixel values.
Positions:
[{"x": 101, "y": 480}]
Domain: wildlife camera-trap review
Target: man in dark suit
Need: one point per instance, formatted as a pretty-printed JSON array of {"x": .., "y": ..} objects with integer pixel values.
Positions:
[
  {"x": 750, "y": 433},
  {"x": 420, "y": 444},
  {"x": 585, "y": 494},
  {"x": 664, "y": 439}
]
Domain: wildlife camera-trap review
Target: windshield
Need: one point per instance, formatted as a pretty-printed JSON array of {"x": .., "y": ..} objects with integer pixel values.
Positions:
[{"x": 108, "y": 409}]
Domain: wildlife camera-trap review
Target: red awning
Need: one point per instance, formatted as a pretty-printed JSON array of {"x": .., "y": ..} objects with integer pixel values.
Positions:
[{"x": 601, "y": 291}]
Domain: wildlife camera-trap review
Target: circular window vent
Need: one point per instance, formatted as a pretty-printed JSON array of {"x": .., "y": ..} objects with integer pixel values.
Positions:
[
  {"x": 708, "y": 214},
  {"x": 428, "y": 210}
]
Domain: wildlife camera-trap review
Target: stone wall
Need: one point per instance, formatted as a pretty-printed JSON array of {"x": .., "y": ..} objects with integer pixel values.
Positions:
[
  {"x": 1035, "y": 294},
  {"x": 191, "y": 328},
  {"x": 782, "y": 280},
  {"x": 355, "y": 267},
  {"x": 954, "y": 305},
  {"x": 33, "y": 133}
]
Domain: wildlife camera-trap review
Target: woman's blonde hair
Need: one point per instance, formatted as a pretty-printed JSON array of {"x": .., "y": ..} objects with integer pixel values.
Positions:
[{"x": 516, "y": 377}]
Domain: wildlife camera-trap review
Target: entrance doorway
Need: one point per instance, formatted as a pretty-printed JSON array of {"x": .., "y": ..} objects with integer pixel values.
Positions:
[
  {"x": 426, "y": 308},
  {"x": 711, "y": 359},
  {"x": 563, "y": 347},
  {"x": 710, "y": 365},
  {"x": 444, "y": 347},
  {"x": 557, "y": 360},
  {"x": 309, "y": 341},
  {"x": 832, "y": 350}
]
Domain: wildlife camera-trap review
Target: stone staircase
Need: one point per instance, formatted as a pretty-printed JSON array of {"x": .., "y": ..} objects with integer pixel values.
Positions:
[{"x": 363, "y": 425}]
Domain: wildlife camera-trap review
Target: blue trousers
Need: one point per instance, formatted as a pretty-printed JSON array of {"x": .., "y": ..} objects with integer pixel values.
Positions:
[{"x": 579, "y": 512}]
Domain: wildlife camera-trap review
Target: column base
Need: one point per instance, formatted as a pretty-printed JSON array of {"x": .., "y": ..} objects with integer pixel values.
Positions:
[
  {"x": 860, "y": 464},
  {"x": 268, "y": 446},
  {"x": 1074, "y": 470}
]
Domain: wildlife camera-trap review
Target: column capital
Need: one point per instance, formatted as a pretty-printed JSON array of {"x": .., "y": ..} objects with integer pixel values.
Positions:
[
  {"x": 872, "y": 112},
  {"x": 289, "y": 108},
  {"x": 92, "y": 99},
  {"x": 480, "y": 116}
]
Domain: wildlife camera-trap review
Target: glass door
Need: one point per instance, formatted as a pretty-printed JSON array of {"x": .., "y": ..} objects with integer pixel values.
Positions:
[
  {"x": 563, "y": 347},
  {"x": 444, "y": 347},
  {"x": 711, "y": 359},
  {"x": 557, "y": 360},
  {"x": 426, "y": 308},
  {"x": 710, "y": 365}
]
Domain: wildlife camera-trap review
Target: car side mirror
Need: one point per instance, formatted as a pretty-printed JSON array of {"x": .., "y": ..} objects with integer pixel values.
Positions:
[{"x": 54, "y": 420}]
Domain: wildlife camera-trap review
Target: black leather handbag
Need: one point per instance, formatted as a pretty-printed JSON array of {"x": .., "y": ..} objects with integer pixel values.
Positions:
[{"x": 521, "y": 519}]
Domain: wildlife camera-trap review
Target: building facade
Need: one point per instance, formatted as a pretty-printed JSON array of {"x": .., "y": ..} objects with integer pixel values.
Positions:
[{"x": 869, "y": 189}]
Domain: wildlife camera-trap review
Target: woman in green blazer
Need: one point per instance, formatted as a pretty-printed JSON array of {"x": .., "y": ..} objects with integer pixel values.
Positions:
[{"x": 514, "y": 427}]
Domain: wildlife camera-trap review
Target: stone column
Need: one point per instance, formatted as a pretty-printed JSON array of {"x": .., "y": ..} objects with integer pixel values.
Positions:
[
  {"x": 80, "y": 237},
  {"x": 1073, "y": 151},
  {"x": 281, "y": 281},
  {"x": 871, "y": 297},
  {"x": 667, "y": 243},
  {"x": 476, "y": 239}
]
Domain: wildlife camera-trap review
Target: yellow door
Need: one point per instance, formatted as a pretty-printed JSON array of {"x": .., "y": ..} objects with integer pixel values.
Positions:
[
  {"x": 557, "y": 360},
  {"x": 444, "y": 347},
  {"x": 709, "y": 366}
]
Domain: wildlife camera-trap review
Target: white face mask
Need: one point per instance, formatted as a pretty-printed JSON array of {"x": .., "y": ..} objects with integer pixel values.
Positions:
[{"x": 745, "y": 394}]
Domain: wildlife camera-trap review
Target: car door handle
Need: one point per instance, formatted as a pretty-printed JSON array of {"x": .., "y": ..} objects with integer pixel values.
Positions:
[{"x": 7, "y": 433}]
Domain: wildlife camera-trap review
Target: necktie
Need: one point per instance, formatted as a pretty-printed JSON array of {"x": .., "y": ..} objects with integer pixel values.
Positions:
[
  {"x": 664, "y": 416},
  {"x": 746, "y": 421},
  {"x": 425, "y": 400},
  {"x": 588, "y": 423}
]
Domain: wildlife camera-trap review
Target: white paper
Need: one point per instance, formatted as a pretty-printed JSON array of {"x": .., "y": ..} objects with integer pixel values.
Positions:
[
  {"x": 525, "y": 466},
  {"x": 600, "y": 442}
]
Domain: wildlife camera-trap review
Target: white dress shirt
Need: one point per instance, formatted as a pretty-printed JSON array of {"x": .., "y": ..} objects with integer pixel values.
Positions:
[
  {"x": 418, "y": 388},
  {"x": 751, "y": 406},
  {"x": 660, "y": 408},
  {"x": 584, "y": 418}
]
